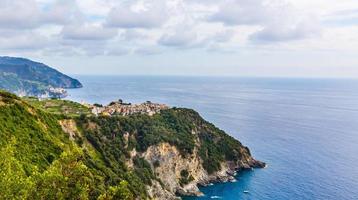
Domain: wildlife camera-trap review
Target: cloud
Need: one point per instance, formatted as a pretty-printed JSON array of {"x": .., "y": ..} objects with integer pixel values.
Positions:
[
  {"x": 61, "y": 12},
  {"x": 106, "y": 27},
  {"x": 63, "y": 51},
  {"x": 88, "y": 32},
  {"x": 180, "y": 38},
  {"x": 118, "y": 51},
  {"x": 278, "y": 20},
  {"x": 26, "y": 40},
  {"x": 132, "y": 34},
  {"x": 223, "y": 36},
  {"x": 241, "y": 12},
  {"x": 29, "y": 14},
  {"x": 147, "y": 51},
  {"x": 24, "y": 27},
  {"x": 347, "y": 17},
  {"x": 84, "y": 47},
  {"x": 280, "y": 33},
  {"x": 19, "y": 14},
  {"x": 151, "y": 14},
  {"x": 219, "y": 48}
]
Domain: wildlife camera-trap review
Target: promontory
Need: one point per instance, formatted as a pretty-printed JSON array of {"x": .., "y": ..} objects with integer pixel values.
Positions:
[{"x": 58, "y": 149}]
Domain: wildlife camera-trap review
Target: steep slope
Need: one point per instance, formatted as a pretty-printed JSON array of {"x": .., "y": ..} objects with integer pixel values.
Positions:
[
  {"x": 26, "y": 77},
  {"x": 181, "y": 148},
  {"x": 46, "y": 154},
  {"x": 37, "y": 136},
  {"x": 39, "y": 160}
]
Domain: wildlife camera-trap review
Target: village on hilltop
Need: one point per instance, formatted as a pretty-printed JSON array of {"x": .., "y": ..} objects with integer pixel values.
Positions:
[{"x": 125, "y": 109}]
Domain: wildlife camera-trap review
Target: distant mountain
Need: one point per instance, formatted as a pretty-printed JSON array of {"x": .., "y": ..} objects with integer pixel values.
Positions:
[{"x": 28, "y": 78}]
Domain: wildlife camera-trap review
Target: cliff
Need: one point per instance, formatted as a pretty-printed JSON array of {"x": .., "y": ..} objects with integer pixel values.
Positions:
[
  {"x": 49, "y": 154},
  {"x": 28, "y": 78}
]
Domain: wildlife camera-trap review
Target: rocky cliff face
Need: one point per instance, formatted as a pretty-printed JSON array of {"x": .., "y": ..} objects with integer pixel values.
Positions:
[{"x": 169, "y": 166}]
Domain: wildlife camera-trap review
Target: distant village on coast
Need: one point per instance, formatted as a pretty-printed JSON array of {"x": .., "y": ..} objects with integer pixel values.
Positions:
[{"x": 124, "y": 109}]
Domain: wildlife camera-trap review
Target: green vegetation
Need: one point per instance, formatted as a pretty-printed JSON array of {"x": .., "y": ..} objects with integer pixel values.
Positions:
[
  {"x": 14, "y": 83},
  {"x": 59, "y": 107},
  {"x": 174, "y": 126},
  {"x": 170, "y": 126},
  {"x": 26, "y": 77},
  {"x": 185, "y": 177},
  {"x": 39, "y": 138},
  {"x": 143, "y": 170},
  {"x": 38, "y": 160}
]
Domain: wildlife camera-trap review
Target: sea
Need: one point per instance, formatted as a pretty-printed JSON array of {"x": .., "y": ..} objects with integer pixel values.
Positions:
[{"x": 306, "y": 130}]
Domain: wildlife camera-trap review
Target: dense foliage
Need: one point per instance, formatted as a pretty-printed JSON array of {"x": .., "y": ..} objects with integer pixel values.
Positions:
[
  {"x": 38, "y": 160},
  {"x": 39, "y": 138},
  {"x": 24, "y": 76},
  {"x": 27, "y": 69},
  {"x": 169, "y": 126},
  {"x": 179, "y": 127},
  {"x": 12, "y": 82}
]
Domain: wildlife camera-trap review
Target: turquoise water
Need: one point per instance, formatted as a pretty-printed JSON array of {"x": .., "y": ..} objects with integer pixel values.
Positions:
[{"x": 305, "y": 129}]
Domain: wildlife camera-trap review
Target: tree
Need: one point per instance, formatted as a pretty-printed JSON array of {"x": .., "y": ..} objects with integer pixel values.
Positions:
[
  {"x": 14, "y": 183},
  {"x": 120, "y": 192},
  {"x": 66, "y": 178}
]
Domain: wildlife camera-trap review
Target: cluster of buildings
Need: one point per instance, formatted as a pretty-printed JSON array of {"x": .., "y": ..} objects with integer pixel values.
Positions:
[
  {"x": 57, "y": 92},
  {"x": 124, "y": 109},
  {"x": 46, "y": 93}
]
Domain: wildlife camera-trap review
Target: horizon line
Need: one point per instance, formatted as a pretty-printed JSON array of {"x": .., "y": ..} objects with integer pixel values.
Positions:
[{"x": 217, "y": 76}]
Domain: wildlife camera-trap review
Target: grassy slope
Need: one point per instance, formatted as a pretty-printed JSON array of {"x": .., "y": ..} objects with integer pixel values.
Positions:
[{"x": 59, "y": 107}]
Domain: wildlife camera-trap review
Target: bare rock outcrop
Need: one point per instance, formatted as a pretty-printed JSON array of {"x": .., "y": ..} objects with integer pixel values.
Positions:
[{"x": 168, "y": 165}]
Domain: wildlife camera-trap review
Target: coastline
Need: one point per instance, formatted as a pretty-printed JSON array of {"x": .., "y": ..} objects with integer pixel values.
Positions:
[{"x": 230, "y": 179}]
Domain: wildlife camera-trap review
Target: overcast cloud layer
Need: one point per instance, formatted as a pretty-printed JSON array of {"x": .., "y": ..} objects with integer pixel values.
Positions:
[{"x": 203, "y": 37}]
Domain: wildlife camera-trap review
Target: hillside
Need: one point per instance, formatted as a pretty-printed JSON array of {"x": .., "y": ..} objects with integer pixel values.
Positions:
[
  {"x": 28, "y": 78},
  {"x": 46, "y": 154}
]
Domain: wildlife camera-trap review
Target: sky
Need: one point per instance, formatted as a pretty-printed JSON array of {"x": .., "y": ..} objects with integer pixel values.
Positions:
[{"x": 284, "y": 38}]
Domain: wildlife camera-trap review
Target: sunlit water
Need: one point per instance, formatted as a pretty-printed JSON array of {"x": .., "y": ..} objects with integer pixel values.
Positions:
[{"x": 305, "y": 129}]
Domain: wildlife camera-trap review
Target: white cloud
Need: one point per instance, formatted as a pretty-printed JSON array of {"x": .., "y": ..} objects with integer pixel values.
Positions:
[
  {"x": 19, "y": 14},
  {"x": 148, "y": 14},
  {"x": 147, "y": 51},
  {"x": 132, "y": 34},
  {"x": 118, "y": 51},
  {"x": 347, "y": 17},
  {"x": 180, "y": 38},
  {"x": 61, "y": 12},
  {"x": 88, "y": 32},
  {"x": 281, "y": 33},
  {"x": 242, "y": 12},
  {"x": 279, "y": 20},
  {"x": 29, "y": 14},
  {"x": 148, "y": 27},
  {"x": 26, "y": 41},
  {"x": 178, "y": 23},
  {"x": 224, "y": 36}
]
